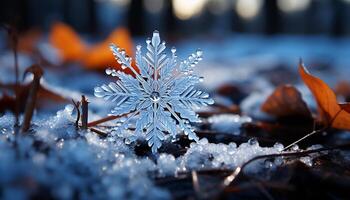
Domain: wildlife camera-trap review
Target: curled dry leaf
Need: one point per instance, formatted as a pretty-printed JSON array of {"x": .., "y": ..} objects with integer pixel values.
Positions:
[
  {"x": 286, "y": 102},
  {"x": 330, "y": 111},
  {"x": 98, "y": 56}
]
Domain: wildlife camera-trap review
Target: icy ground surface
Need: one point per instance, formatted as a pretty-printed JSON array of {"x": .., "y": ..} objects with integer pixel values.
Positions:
[
  {"x": 65, "y": 162},
  {"x": 57, "y": 158}
]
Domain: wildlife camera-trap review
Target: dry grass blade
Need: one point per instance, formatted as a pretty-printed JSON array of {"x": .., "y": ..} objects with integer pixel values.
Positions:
[
  {"x": 77, "y": 107},
  {"x": 84, "y": 112},
  {"x": 30, "y": 104}
]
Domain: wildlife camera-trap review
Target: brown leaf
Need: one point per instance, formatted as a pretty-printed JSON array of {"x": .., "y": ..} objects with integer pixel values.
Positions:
[
  {"x": 286, "y": 102},
  {"x": 345, "y": 107},
  {"x": 45, "y": 97},
  {"x": 28, "y": 41},
  {"x": 329, "y": 109},
  {"x": 342, "y": 89}
]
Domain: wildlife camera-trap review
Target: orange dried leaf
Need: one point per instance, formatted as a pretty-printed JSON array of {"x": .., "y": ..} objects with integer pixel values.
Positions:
[
  {"x": 328, "y": 106},
  {"x": 342, "y": 89},
  {"x": 286, "y": 102},
  {"x": 345, "y": 107},
  {"x": 67, "y": 41},
  {"x": 100, "y": 56}
]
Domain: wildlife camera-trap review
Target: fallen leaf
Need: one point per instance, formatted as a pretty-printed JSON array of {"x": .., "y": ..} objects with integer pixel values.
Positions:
[
  {"x": 67, "y": 41},
  {"x": 345, "y": 107},
  {"x": 286, "y": 102},
  {"x": 98, "y": 56},
  {"x": 342, "y": 89},
  {"x": 330, "y": 111}
]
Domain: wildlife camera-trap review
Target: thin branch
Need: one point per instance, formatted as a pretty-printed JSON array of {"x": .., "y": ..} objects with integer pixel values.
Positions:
[
  {"x": 84, "y": 110},
  {"x": 77, "y": 107},
  {"x": 30, "y": 105},
  {"x": 12, "y": 33},
  {"x": 195, "y": 183},
  {"x": 99, "y": 132},
  {"x": 105, "y": 119}
]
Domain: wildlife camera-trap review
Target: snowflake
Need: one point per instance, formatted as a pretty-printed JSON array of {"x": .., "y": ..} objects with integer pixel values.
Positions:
[{"x": 161, "y": 97}]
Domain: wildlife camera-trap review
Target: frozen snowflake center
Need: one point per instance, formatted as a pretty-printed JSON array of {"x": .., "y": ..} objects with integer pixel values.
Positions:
[{"x": 155, "y": 97}]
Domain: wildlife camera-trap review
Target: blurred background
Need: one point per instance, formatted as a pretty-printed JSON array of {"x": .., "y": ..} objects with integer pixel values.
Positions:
[
  {"x": 252, "y": 45},
  {"x": 188, "y": 17}
]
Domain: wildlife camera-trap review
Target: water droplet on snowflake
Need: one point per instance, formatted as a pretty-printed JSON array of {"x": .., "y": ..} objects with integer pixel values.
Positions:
[
  {"x": 155, "y": 97},
  {"x": 173, "y": 50},
  {"x": 199, "y": 52},
  {"x": 138, "y": 47},
  {"x": 163, "y": 43},
  {"x": 148, "y": 41},
  {"x": 127, "y": 141},
  {"x": 109, "y": 71},
  {"x": 201, "y": 79},
  {"x": 122, "y": 51},
  {"x": 124, "y": 66},
  {"x": 114, "y": 73}
]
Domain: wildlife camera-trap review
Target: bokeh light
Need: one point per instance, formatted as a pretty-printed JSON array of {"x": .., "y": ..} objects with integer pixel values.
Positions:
[
  {"x": 248, "y": 9},
  {"x": 289, "y": 6},
  {"x": 185, "y": 9}
]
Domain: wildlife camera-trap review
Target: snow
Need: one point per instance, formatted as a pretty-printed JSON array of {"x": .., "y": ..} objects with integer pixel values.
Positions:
[
  {"x": 98, "y": 168},
  {"x": 228, "y": 123}
]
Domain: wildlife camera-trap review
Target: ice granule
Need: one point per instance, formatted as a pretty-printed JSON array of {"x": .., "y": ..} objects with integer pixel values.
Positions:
[
  {"x": 228, "y": 123},
  {"x": 166, "y": 164}
]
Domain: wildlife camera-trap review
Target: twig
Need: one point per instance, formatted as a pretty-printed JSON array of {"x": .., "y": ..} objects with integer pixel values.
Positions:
[
  {"x": 103, "y": 120},
  {"x": 84, "y": 110},
  {"x": 99, "y": 132},
  {"x": 77, "y": 107},
  {"x": 196, "y": 183},
  {"x": 30, "y": 105},
  {"x": 12, "y": 33},
  {"x": 229, "y": 179},
  {"x": 315, "y": 131}
]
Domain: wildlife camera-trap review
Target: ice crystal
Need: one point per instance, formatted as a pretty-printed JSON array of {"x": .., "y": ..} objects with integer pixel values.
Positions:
[{"x": 161, "y": 96}]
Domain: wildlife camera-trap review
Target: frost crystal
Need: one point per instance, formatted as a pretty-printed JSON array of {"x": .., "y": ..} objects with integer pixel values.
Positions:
[{"x": 161, "y": 96}]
